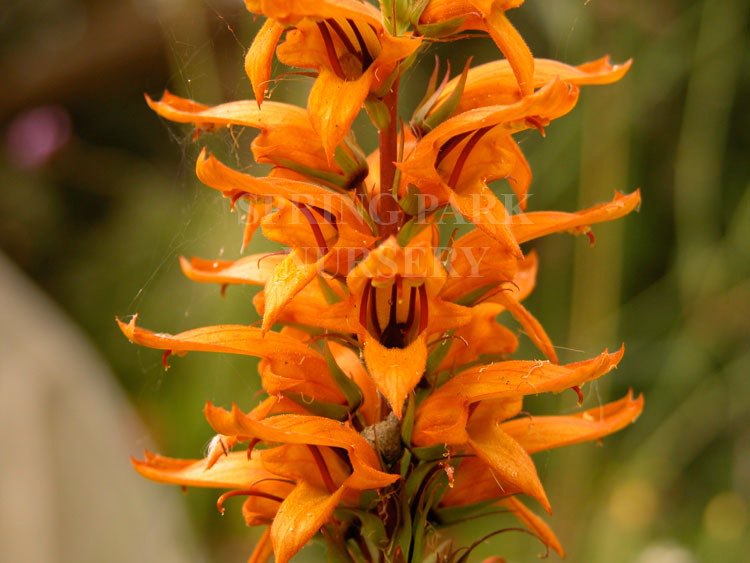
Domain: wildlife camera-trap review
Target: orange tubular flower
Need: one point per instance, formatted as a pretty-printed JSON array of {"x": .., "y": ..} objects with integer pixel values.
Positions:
[
  {"x": 395, "y": 405},
  {"x": 344, "y": 40}
]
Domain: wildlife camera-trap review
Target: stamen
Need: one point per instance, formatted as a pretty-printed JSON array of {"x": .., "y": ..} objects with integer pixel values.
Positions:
[
  {"x": 323, "y": 468},
  {"x": 363, "y": 304},
  {"x": 366, "y": 55},
  {"x": 449, "y": 145},
  {"x": 465, "y": 152},
  {"x": 331, "y": 51},
  {"x": 251, "y": 445},
  {"x": 319, "y": 238},
  {"x": 327, "y": 215},
  {"x": 423, "y": 312},
  {"x": 578, "y": 391},
  {"x": 374, "y": 313},
  {"x": 412, "y": 307},
  {"x": 243, "y": 492},
  {"x": 344, "y": 37}
]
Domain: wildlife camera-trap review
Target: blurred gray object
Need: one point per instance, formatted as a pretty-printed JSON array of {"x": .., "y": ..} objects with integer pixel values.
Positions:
[{"x": 67, "y": 490}]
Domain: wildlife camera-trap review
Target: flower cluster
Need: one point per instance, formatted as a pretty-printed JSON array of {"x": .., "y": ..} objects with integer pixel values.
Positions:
[{"x": 392, "y": 406}]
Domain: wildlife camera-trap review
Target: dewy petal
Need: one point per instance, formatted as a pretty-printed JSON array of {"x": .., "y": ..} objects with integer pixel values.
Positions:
[
  {"x": 301, "y": 429},
  {"x": 299, "y": 518},
  {"x": 443, "y": 416},
  {"x": 538, "y": 526},
  {"x": 233, "y": 471},
  {"x": 260, "y": 57},
  {"x": 286, "y": 281},
  {"x": 506, "y": 458},
  {"x": 539, "y": 433},
  {"x": 529, "y": 226},
  {"x": 252, "y": 270},
  {"x": 396, "y": 371}
]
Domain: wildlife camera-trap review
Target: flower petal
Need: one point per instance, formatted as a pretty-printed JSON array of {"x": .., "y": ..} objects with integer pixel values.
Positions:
[
  {"x": 301, "y": 429},
  {"x": 528, "y": 226},
  {"x": 233, "y": 471},
  {"x": 442, "y": 417},
  {"x": 253, "y": 270},
  {"x": 334, "y": 103},
  {"x": 300, "y": 516},
  {"x": 287, "y": 280},
  {"x": 546, "y": 432},
  {"x": 230, "y": 339},
  {"x": 395, "y": 371},
  {"x": 505, "y": 457},
  {"x": 494, "y": 83},
  {"x": 260, "y": 57}
]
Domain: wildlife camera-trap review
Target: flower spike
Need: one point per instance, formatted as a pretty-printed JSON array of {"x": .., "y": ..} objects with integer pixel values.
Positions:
[{"x": 394, "y": 396}]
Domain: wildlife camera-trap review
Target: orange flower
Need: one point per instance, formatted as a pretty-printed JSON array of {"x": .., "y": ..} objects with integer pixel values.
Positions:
[
  {"x": 344, "y": 40},
  {"x": 455, "y": 161},
  {"x": 293, "y": 487},
  {"x": 503, "y": 445}
]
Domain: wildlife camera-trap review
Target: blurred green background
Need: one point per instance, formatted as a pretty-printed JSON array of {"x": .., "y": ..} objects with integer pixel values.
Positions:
[{"x": 98, "y": 199}]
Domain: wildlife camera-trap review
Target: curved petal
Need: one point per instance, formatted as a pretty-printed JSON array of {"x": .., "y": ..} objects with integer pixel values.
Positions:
[
  {"x": 546, "y": 432},
  {"x": 494, "y": 83},
  {"x": 252, "y": 270},
  {"x": 442, "y": 417},
  {"x": 529, "y": 226},
  {"x": 287, "y": 280},
  {"x": 334, "y": 103},
  {"x": 285, "y": 130},
  {"x": 300, "y": 516},
  {"x": 233, "y": 471},
  {"x": 507, "y": 459},
  {"x": 260, "y": 57},
  {"x": 300, "y": 429},
  {"x": 230, "y": 339}
]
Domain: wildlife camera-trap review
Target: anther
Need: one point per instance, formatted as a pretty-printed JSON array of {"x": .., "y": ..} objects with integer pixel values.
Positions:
[
  {"x": 243, "y": 492},
  {"x": 366, "y": 55},
  {"x": 465, "y": 152},
  {"x": 317, "y": 233},
  {"x": 165, "y": 359},
  {"x": 448, "y": 146},
  {"x": 343, "y": 36},
  {"x": 423, "y": 312},
  {"x": 331, "y": 51},
  {"x": 322, "y": 468}
]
